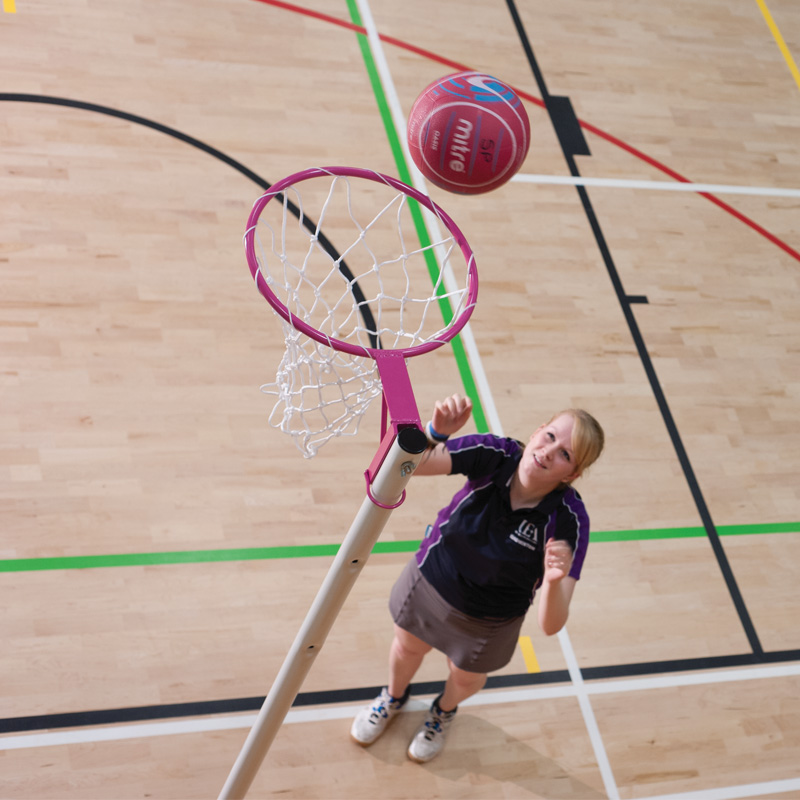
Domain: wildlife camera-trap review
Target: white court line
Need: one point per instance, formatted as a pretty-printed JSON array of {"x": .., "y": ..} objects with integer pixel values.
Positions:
[
  {"x": 588, "y": 716},
  {"x": 498, "y": 697},
  {"x": 479, "y": 374},
  {"x": 487, "y": 697},
  {"x": 695, "y": 679},
  {"x": 419, "y": 183},
  {"x": 661, "y": 186},
  {"x": 734, "y": 792}
]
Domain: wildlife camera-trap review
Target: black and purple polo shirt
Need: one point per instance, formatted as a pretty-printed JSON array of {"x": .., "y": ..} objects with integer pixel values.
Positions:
[{"x": 484, "y": 558}]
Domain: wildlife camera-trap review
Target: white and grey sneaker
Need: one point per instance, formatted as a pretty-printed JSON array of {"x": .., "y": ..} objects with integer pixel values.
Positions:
[
  {"x": 373, "y": 720},
  {"x": 429, "y": 739}
]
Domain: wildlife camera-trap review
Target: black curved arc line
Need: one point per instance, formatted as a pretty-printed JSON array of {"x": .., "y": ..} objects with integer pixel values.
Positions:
[{"x": 309, "y": 224}]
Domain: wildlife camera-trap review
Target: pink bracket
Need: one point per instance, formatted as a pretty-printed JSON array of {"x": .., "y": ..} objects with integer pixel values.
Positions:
[
  {"x": 398, "y": 401},
  {"x": 378, "y": 502},
  {"x": 397, "y": 391}
]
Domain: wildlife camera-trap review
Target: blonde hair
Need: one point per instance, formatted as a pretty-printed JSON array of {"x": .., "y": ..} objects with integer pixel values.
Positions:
[{"x": 588, "y": 438}]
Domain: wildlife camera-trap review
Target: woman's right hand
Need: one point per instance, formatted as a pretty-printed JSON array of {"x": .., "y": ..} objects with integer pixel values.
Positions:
[{"x": 451, "y": 414}]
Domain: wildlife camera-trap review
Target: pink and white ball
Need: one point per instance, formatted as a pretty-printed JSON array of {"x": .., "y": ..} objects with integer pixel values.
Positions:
[{"x": 468, "y": 133}]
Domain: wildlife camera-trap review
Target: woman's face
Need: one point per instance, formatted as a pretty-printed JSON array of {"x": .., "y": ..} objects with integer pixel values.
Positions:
[{"x": 548, "y": 458}]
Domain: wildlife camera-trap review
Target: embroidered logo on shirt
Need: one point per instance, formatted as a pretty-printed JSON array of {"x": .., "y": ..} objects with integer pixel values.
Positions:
[{"x": 527, "y": 535}]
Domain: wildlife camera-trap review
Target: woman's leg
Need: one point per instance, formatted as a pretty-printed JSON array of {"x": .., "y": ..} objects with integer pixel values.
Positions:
[
  {"x": 460, "y": 685},
  {"x": 405, "y": 657}
]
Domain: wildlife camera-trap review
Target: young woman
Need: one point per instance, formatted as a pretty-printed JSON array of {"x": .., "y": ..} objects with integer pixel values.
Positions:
[{"x": 516, "y": 527}]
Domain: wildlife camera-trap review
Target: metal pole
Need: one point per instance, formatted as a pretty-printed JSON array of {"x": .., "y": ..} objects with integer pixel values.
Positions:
[{"x": 387, "y": 488}]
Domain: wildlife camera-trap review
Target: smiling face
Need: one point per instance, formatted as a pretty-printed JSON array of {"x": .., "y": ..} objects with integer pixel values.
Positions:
[{"x": 548, "y": 459}]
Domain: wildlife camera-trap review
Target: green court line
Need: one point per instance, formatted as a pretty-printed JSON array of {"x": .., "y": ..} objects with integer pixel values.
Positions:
[
  {"x": 693, "y": 532},
  {"x": 330, "y": 550},
  {"x": 404, "y": 174}
]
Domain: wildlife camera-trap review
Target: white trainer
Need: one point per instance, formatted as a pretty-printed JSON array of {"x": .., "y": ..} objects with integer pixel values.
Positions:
[
  {"x": 429, "y": 739},
  {"x": 373, "y": 720}
]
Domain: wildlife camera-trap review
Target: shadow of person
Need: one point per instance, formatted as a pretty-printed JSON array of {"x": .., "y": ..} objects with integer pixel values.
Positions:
[{"x": 480, "y": 753}]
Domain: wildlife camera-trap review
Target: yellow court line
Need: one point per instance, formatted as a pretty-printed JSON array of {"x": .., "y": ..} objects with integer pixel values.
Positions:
[
  {"x": 779, "y": 40},
  {"x": 528, "y": 653},
  {"x": 9, "y": 6}
]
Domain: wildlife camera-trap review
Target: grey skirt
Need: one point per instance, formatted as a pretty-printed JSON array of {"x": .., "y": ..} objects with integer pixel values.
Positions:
[{"x": 472, "y": 644}]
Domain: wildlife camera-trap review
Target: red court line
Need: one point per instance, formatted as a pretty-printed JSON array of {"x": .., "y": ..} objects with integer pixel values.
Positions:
[{"x": 537, "y": 101}]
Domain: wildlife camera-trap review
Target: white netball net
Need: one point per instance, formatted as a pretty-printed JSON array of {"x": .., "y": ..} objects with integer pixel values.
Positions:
[{"x": 357, "y": 274}]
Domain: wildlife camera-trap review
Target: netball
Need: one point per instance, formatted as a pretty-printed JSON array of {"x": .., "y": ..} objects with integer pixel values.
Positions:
[{"x": 468, "y": 133}]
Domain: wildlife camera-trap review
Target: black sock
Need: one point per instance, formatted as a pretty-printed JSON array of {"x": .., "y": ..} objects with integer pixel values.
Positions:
[
  {"x": 440, "y": 709},
  {"x": 406, "y": 695}
]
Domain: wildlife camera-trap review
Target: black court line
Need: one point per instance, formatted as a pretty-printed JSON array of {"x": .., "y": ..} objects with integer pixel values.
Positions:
[
  {"x": 118, "y": 716},
  {"x": 308, "y": 223},
  {"x": 570, "y": 146}
]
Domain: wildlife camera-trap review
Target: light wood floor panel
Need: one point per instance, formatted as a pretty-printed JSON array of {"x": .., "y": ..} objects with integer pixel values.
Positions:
[
  {"x": 731, "y": 723},
  {"x": 505, "y": 750},
  {"x": 111, "y": 638},
  {"x": 500, "y": 755},
  {"x": 133, "y": 345},
  {"x": 764, "y": 566}
]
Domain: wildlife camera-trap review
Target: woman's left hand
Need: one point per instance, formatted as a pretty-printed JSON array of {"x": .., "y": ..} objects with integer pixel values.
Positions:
[{"x": 557, "y": 560}]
